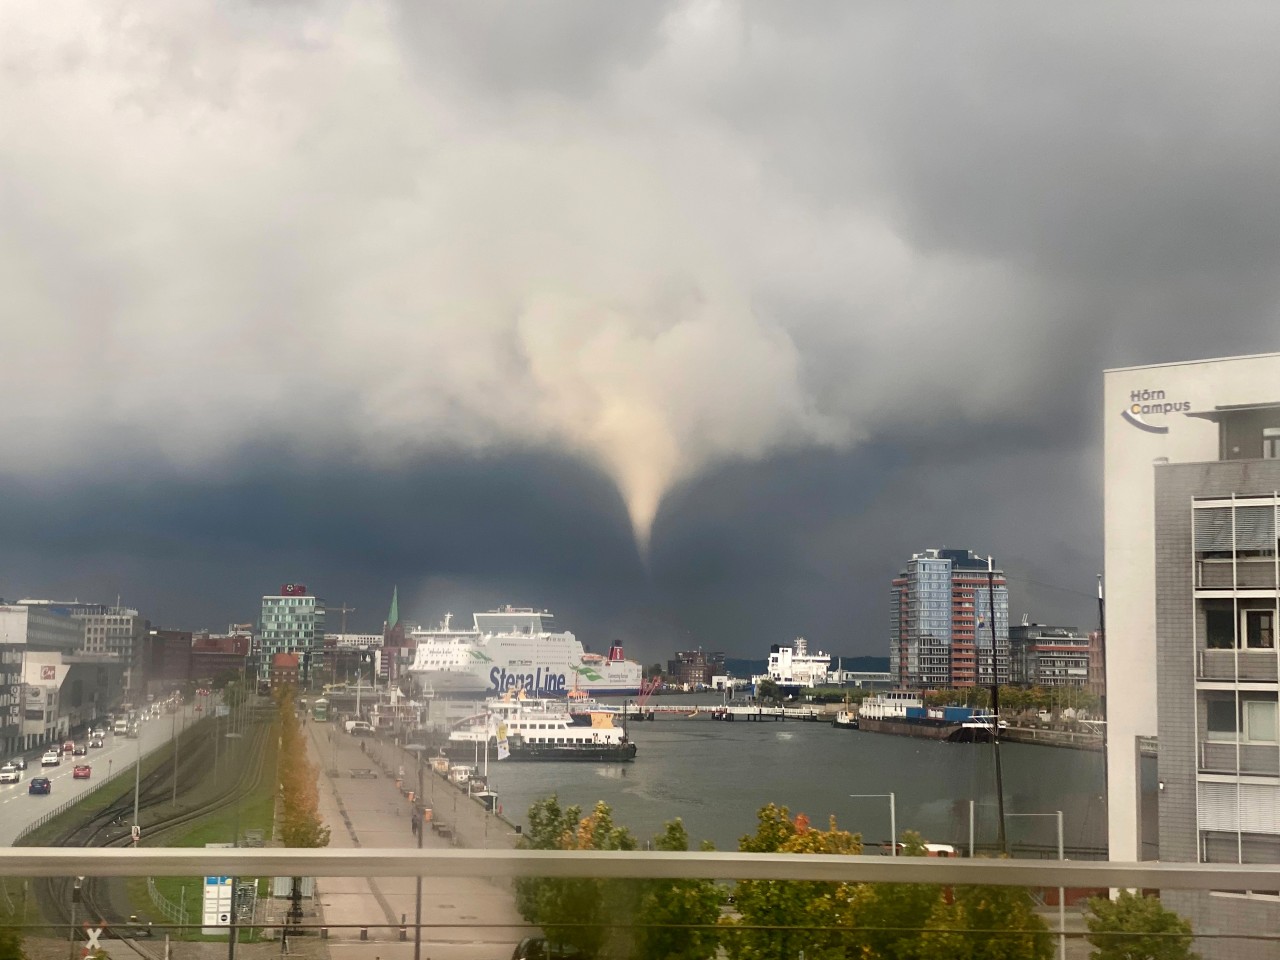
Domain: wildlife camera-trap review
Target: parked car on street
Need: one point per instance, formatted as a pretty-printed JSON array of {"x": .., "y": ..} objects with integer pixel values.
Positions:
[
  {"x": 40, "y": 785},
  {"x": 82, "y": 772},
  {"x": 52, "y": 758},
  {"x": 10, "y": 774}
]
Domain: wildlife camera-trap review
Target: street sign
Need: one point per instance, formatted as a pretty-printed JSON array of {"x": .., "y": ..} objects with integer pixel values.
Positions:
[
  {"x": 217, "y": 901},
  {"x": 92, "y": 947}
]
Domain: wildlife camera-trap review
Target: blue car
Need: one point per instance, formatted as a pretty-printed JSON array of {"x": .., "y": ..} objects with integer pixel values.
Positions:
[{"x": 40, "y": 785}]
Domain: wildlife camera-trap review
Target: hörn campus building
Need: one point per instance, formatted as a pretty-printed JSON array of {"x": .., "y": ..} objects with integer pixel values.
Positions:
[{"x": 1192, "y": 572}]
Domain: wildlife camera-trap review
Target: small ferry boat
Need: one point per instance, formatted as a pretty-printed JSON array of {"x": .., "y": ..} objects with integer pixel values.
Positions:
[{"x": 529, "y": 728}]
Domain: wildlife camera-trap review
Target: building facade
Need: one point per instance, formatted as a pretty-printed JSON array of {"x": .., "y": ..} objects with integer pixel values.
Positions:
[
  {"x": 107, "y": 631},
  {"x": 941, "y": 622},
  {"x": 1193, "y": 588},
  {"x": 292, "y": 621},
  {"x": 695, "y": 668},
  {"x": 1043, "y": 656}
]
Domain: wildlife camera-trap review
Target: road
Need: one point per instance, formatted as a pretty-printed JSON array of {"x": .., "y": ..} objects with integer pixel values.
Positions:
[{"x": 19, "y": 809}]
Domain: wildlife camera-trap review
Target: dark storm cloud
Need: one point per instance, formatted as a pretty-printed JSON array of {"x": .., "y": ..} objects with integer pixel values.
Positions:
[
  {"x": 529, "y": 529},
  {"x": 816, "y": 285}
]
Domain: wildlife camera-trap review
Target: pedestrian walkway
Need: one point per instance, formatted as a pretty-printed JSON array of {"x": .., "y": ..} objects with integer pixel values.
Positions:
[{"x": 468, "y": 918}]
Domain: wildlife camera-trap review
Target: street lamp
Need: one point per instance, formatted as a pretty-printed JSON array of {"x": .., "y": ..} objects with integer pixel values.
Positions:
[
  {"x": 1062, "y": 899},
  {"x": 893, "y": 815},
  {"x": 231, "y": 941},
  {"x": 417, "y": 749}
]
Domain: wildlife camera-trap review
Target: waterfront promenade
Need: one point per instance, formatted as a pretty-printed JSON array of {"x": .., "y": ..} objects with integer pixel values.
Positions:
[{"x": 472, "y": 919}]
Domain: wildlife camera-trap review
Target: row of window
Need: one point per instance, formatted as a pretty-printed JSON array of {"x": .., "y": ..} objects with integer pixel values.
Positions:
[
  {"x": 1243, "y": 720},
  {"x": 1251, "y": 630}
]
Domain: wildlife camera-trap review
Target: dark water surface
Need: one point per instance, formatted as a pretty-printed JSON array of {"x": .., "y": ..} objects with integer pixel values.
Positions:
[{"x": 716, "y": 776}]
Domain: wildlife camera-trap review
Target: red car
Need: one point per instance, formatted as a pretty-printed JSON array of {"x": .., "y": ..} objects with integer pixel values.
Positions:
[{"x": 82, "y": 772}]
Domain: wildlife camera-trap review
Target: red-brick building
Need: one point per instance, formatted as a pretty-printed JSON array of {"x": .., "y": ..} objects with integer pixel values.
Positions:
[{"x": 284, "y": 669}]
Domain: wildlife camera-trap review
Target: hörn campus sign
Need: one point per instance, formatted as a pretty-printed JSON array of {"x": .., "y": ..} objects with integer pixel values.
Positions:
[{"x": 1146, "y": 402}]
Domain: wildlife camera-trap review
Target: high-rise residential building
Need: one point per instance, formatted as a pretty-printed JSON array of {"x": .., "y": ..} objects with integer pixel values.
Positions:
[
  {"x": 292, "y": 621},
  {"x": 1046, "y": 656},
  {"x": 941, "y": 629},
  {"x": 1192, "y": 461}
]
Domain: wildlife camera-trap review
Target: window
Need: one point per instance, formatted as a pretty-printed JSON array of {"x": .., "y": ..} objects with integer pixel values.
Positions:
[
  {"x": 1251, "y": 721},
  {"x": 1219, "y": 628},
  {"x": 1271, "y": 443},
  {"x": 1259, "y": 721},
  {"x": 1260, "y": 629}
]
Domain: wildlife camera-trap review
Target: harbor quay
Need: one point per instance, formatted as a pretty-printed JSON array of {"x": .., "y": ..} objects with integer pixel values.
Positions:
[{"x": 365, "y": 786}]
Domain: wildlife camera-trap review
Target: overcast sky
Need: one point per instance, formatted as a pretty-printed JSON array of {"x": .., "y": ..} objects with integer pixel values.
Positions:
[{"x": 689, "y": 321}]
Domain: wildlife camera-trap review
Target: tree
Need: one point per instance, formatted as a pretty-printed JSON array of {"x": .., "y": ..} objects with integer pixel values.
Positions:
[
  {"x": 655, "y": 670},
  {"x": 782, "y": 917},
  {"x": 11, "y": 943},
  {"x": 1134, "y": 927},
  {"x": 589, "y": 913},
  {"x": 767, "y": 691},
  {"x": 300, "y": 822},
  {"x": 892, "y": 916},
  {"x": 986, "y": 923},
  {"x": 676, "y": 918}
]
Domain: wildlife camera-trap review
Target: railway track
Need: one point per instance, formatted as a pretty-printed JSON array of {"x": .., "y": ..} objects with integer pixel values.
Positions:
[{"x": 111, "y": 827}]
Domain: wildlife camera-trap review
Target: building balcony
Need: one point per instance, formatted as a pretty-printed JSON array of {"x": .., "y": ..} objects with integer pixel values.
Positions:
[
  {"x": 1231, "y": 666},
  {"x": 1238, "y": 759},
  {"x": 1253, "y": 573}
]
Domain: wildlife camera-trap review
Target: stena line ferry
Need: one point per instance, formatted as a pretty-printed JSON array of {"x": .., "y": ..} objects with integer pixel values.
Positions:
[{"x": 516, "y": 648}]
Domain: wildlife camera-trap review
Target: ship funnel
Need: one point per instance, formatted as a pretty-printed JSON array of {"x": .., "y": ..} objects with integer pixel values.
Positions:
[{"x": 615, "y": 652}]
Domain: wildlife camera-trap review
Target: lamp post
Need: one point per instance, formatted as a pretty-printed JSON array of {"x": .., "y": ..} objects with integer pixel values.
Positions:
[
  {"x": 137, "y": 778},
  {"x": 893, "y": 815},
  {"x": 1062, "y": 899},
  {"x": 417, "y": 749},
  {"x": 231, "y": 940}
]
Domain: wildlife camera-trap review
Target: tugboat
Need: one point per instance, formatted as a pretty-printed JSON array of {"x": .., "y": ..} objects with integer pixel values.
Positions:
[{"x": 846, "y": 719}]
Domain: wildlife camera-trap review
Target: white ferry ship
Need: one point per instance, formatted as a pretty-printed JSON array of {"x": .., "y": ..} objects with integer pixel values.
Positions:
[
  {"x": 515, "y": 648},
  {"x": 537, "y": 728}
]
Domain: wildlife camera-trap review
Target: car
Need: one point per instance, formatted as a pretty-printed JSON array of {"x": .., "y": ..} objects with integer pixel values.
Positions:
[
  {"x": 10, "y": 774},
  {"x": 68, "y": 746},
  {"x": 82, "y": 772},
  {"x": 80, "y": 750},
  {"x": 52, "y": 758},
  {"x": 539, "y": 948},
  {"x": 19, "y": 762},
  {"x": 96, "y": 743},
  {"x": 40, "y": 785}
]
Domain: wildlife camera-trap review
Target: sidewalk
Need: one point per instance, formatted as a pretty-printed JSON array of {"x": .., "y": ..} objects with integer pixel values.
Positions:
[{"x": 471, "y": 919}]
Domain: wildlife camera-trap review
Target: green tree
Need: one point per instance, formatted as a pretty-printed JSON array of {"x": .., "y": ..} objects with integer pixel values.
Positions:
[
  {"x": 11, "y": 944},
  {"x": 671, "y": 912},
  {"x": 589, "y": 913},
  {"x": 1134, "y": 927},
  {"x": 986, "y": 923},
  {"x": 890, "y": 917},
  {"x": 767, "y": 691},
  {"x": 779, "y": 918}
]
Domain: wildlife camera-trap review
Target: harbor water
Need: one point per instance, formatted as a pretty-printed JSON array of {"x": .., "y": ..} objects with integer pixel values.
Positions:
[{"x": 716, "y": 775}]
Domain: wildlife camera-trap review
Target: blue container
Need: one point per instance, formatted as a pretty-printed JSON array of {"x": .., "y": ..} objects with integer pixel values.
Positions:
[
  {"x": 957, "y": 714},
  {"x": 916, "y": 713}
]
